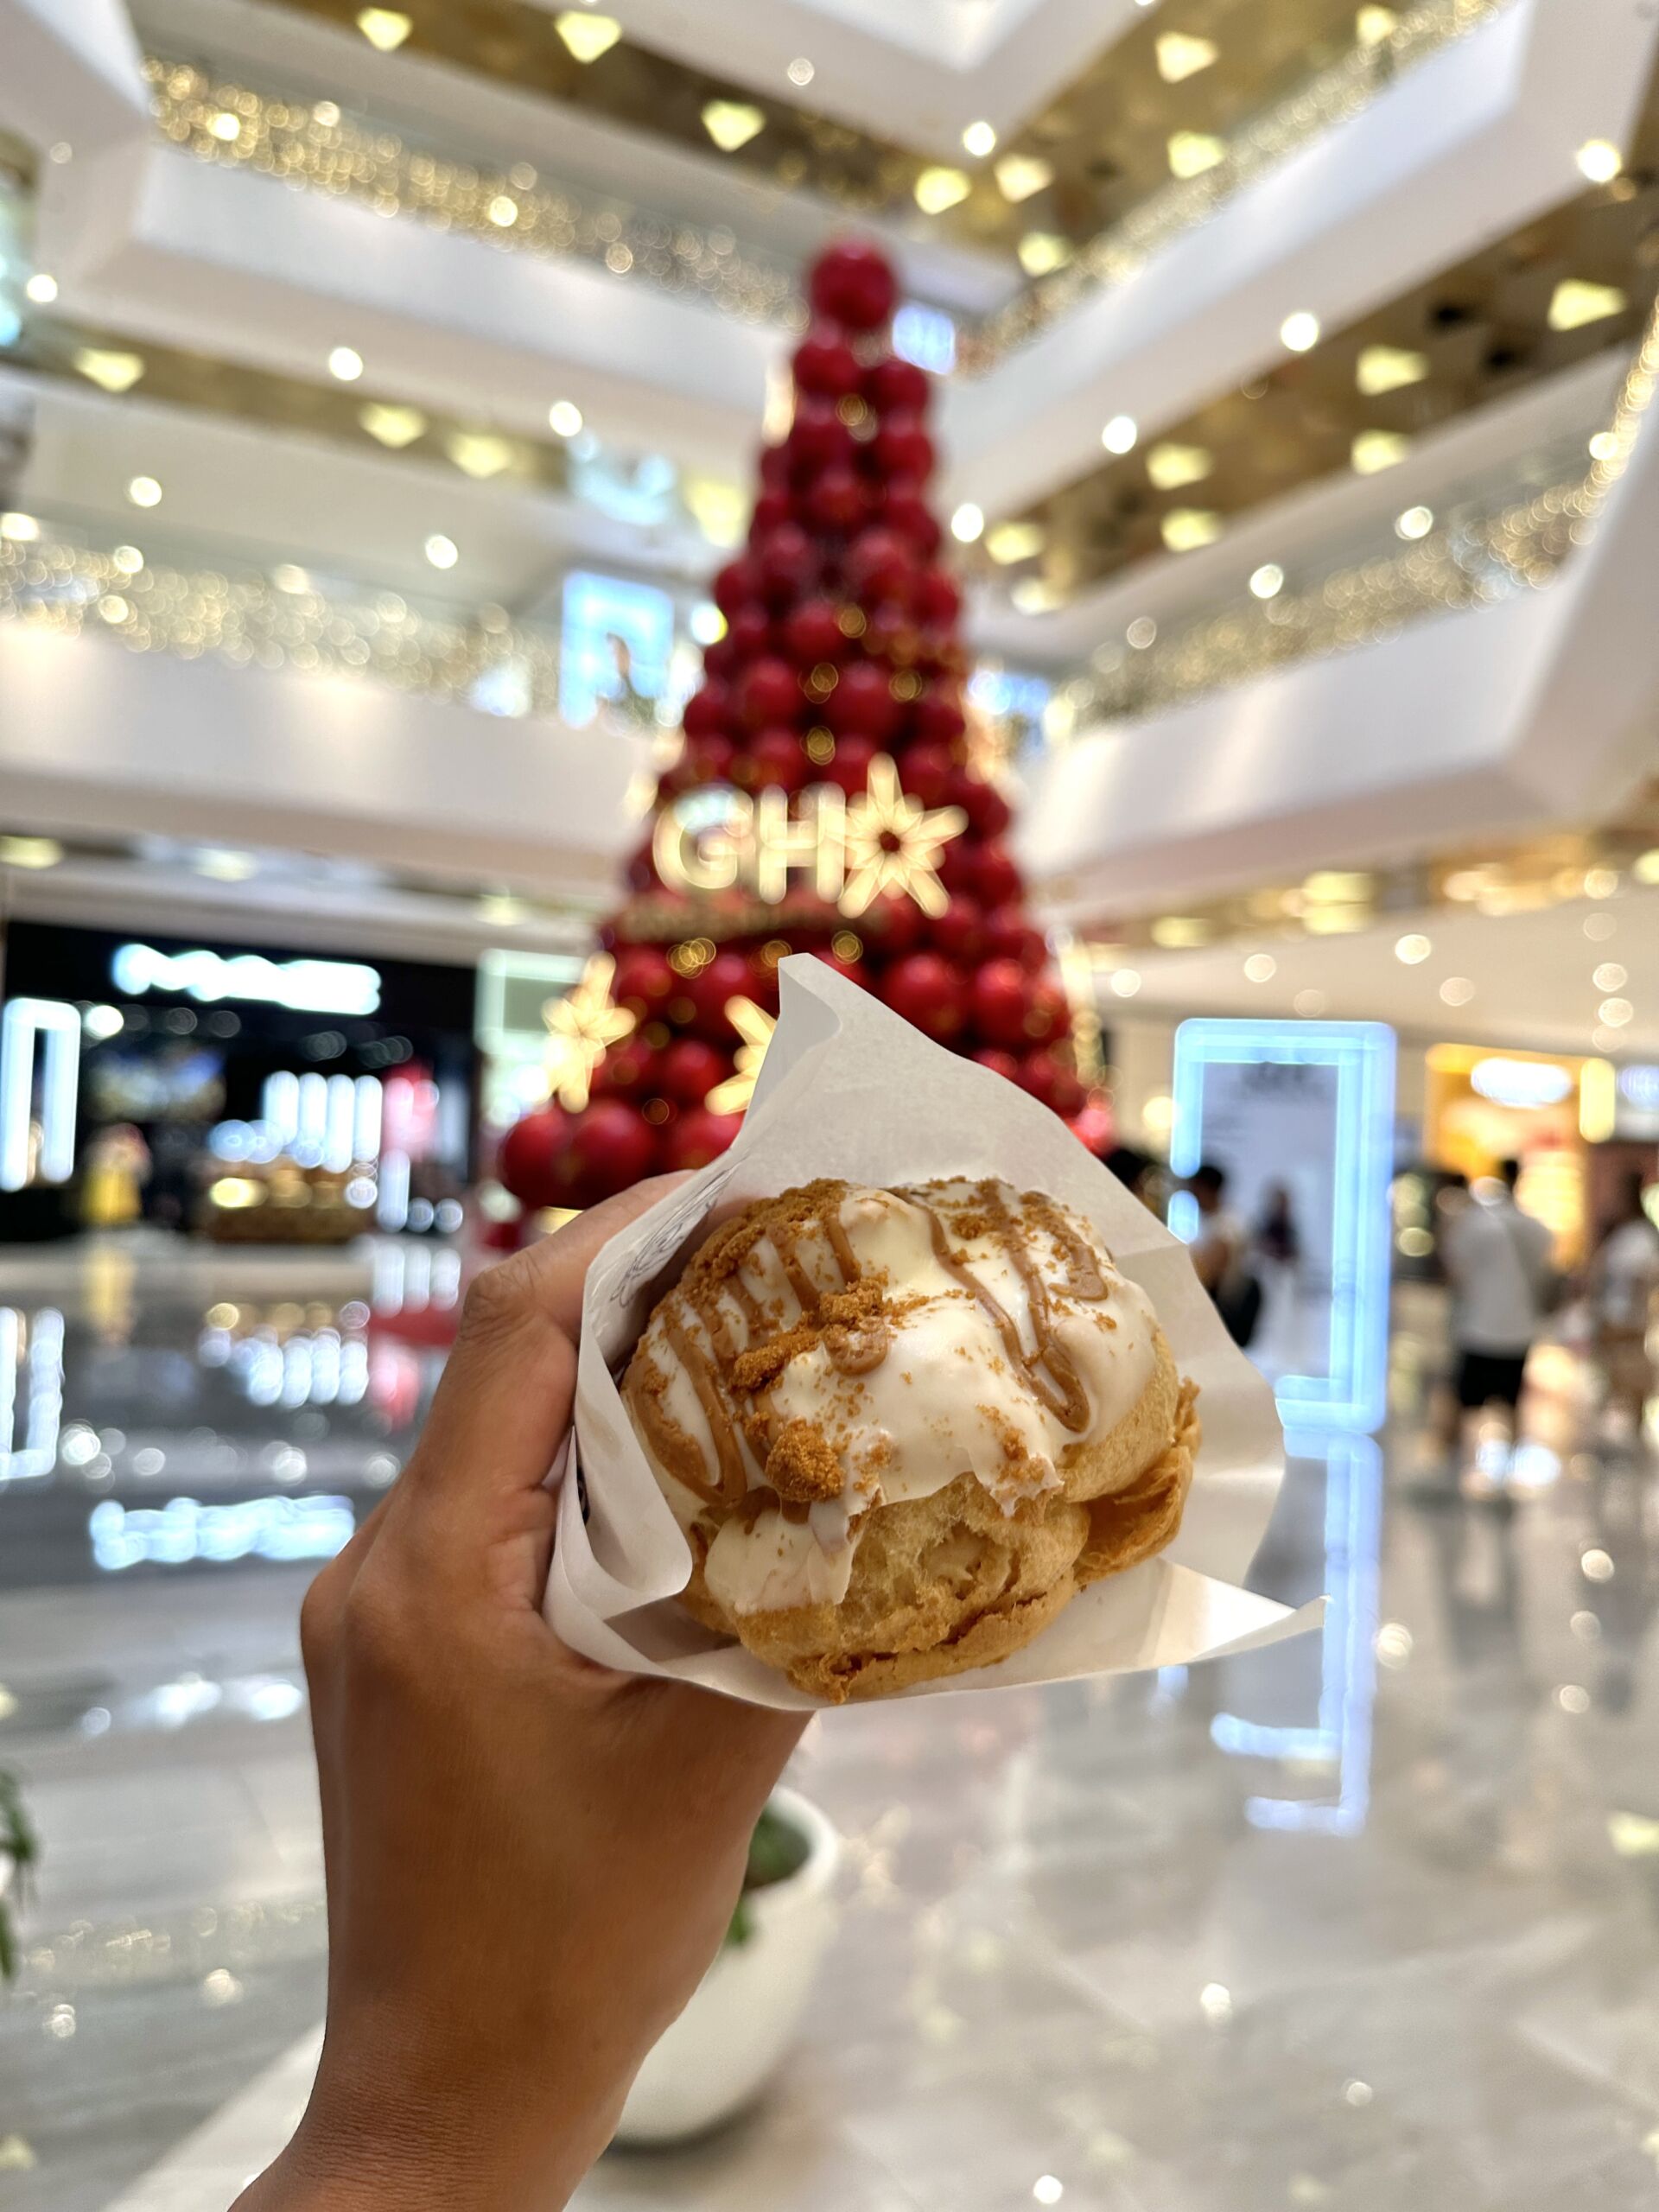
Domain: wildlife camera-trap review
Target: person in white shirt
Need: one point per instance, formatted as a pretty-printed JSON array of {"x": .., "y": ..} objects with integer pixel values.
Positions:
[
  {"x": 1498, "y": 1261},
  {"x": 1623, "y": 1278}
]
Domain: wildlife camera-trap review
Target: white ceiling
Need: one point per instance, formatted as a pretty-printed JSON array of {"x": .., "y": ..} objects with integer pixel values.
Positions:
[{"x": 1533, "y": 974}]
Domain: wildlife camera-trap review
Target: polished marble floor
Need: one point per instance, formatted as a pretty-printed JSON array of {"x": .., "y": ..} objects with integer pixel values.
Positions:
[{"x": 1367, "y": 1921}]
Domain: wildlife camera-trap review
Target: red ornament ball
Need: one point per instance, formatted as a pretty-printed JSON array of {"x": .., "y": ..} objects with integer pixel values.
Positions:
[
  {"x": 985, "y": 806},
  {"x": 825, "y": 363},
  {"x": 643, "y": 981},
  {"x": 881, "y": 565},
  {"x": 628, "y": 1071},
  {"x": 690, "y": 1070},
  {"x": 926, "y": 992},
  {"x": 939, "y": 715},
  {"x": 854, "y": 970},
  {"x": 738, "y": 584},
  {"x": 896, "y": 387},
  {"x": 849, "y": 768},
  {"x": 929, "y": 772},
  {"x": 892, "y": 925},
  {"x": 788, "y": 563},
  {"x": 721, "y": 658},
  {"x": 836, "y": 499},
  {"x": 698, "y": 1137},
  {"x": 852, "y": 283},
  {"x": 1048, "y": 1015},
  {"x": 1047, "y": 1077},
  {"x": 707, "y": 711},
  {"x": 1009, "y": 936},
  {"x": 998, "y": 1061},
  {"x": 818, "y": 438},
  {"x": 905, "y": 511},
  {"x": 709, "y": 759},
  {"x": 1001, "y": 998},
  {"x": 774, "y": 506},
  {"x": 938, "y": 602},
  {"x": 813, "y": 633},
  {"x": 611, "y": 1147},
  {"x": 775, "y": 469},
  {"x": 776, "y": 758},
  {"x": 725, "y": 977},
  {"x": 769, "y": 692},
  {"x": 996, "y": 877},
  {"x": 527, "y": 1160},
  {"x": 959, "y": 868},
  {"x": 862, "y": 703},
  {"x": 902, "y": 448},
  {"x": 959, "y": 931},
  {"x": 750, "y": 633}
]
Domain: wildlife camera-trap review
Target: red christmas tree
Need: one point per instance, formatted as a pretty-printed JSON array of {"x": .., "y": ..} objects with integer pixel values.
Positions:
[{"x": 830, "y": 799}]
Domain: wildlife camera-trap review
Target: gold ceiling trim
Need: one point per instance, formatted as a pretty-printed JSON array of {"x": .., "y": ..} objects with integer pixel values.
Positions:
[{"x": 1516, "y": 546}]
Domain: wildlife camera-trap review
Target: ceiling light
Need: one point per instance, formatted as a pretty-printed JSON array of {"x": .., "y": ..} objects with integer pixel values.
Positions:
[
  {"x": 732, "y": 123},
  {"x": 1387, "y": 368},
  {"x": 1142, "y": 633},
  {"x": 938, "y": 188},
  {"x": 979, "y": 139},
  {"x": 1016, "y": 541},
  {"x": 1034, "y": 595},
  {"x": 1372, "y": 451},
  {"x": 384, "y": 28},
  {"x": 587, "y": 36},
  {"x": 443, "y": 552},
  {"x": 1416, "y": 522},
  {"x": 1119, "y": 434},
  {"x": 1019, "y": 175},
  {"x": 1179, "y": 56},
  {"x": 1609, "y": 976},
  {"x": 1048, "y": 2188},
  {"x": 346, "y": 364},
  {"x": 800, "y": 71},
  {"x": 1645, "y": 869},
  {"x": 1191, "y": 152},
  {"x": 1411, "y": 949},
  {"x": 289, "y": 576},
  {"x": 224, "y": 865},
  {"x": 42, "y": 289},
  {"x": 1185, "y": 529},
  {"x": 1599, "y": 160},
  {"x": 1172, "y": 465},
  {"x": 144, "y": 492},
  {"x": 1615, "y": 1012},
  {"x": 968, "y": 523},
  {"x": 1041, "y": 253},
  {"x": 110, "y": 372},
  {"x": 1376, "y": 26},
  {"x": 1456, "y": 990},
  {"x": 1337, "y": 886},
  {"x": 1268, "y": 581},
  {"x": 1309, "y": 1004},
  {"x": 1260, "y": 968},
  {"x": 396, "y": 427},
  {"x": 1575, "y": 303},
  {"x": 1299, "y": 332},
  {"x": 1180, "y": 931},
  {"x": 708, "y": 624},
  {"x": 21, "y": 529},
  {"x": 1125, "y": 982},
  {"x": 479, "y": 454},
  {"x": 564, "y": 417},
  {"x": 1600, "y": 882},
  {"x": 62, "y": 152},
  {"x": 503, "y": 211},
  {"x": 226, "y": 127},
  {"x": 29, "y": 852}
]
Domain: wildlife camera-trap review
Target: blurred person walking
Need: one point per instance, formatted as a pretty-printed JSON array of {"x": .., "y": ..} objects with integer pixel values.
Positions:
[
  {"x": 1622, "y": 1280},
  {"x": 1498, "y": 1261},
  {"x": 1221, "y": 1254}
]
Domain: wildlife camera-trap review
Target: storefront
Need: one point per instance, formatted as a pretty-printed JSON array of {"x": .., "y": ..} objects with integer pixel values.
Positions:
[
  {"x": 248, "y": 1093},
  {"x": 1484, "y": 1106}
]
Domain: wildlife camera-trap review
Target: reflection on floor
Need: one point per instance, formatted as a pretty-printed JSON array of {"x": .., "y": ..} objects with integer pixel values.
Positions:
[{"x": 1365, "y": 1921}]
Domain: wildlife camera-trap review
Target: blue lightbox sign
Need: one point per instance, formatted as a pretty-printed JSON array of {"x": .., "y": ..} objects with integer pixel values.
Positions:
[
  {"x": 1301, "y": 1112},
  {"x": 597, "y": 611}
]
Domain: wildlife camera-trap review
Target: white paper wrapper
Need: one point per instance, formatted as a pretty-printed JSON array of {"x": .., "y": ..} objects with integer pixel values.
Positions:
[{"x": 849, "y": 1090}]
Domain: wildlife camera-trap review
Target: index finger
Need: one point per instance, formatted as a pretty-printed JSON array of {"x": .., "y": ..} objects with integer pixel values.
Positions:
[{"x": 503, "y": 1404}]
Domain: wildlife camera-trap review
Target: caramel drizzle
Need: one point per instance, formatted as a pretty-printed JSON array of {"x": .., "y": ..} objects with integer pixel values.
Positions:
[
  {"x": 732, "y": 1474},
  {"x": 1050, "y": 1368}
]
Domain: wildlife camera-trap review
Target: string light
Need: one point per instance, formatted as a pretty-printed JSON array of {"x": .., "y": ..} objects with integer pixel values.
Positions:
[
  {"x": 1119, "y": 434},
  {"x": 346, "y": 364}
]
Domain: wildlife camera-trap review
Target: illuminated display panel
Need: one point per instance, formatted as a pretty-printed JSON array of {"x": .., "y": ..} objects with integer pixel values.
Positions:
[{"x": 1309, "y": 1105}]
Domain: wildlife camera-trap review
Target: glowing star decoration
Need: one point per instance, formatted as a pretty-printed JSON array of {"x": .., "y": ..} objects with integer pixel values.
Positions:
[
  {"x": 582, "y": 1027},
  {"x": 894, "y": 843},
  {"x": 754, "y": 1026}
]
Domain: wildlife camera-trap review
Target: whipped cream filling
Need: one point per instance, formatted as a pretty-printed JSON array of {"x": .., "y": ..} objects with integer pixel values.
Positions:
[{"x": 1008, "y": 1335}]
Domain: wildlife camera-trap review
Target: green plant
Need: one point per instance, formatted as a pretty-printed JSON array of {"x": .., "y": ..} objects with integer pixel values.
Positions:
[
  {"x": 20, "y": 1844},
  {"x": 776, "y": 1850}
]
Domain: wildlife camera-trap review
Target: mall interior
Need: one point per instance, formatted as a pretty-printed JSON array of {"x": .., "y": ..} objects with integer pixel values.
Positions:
[{"x": 1125, "y": 529}]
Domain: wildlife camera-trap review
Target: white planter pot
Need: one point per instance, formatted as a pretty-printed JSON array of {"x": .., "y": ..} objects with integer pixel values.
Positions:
[{"x": 731, "y": 2037}]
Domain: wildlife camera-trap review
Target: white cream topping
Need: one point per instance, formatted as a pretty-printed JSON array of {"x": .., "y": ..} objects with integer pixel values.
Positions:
[{"x": 945, "y": 1399}]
